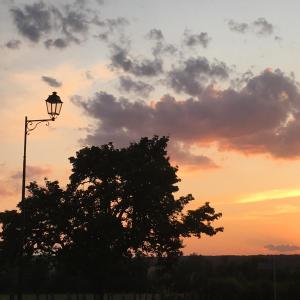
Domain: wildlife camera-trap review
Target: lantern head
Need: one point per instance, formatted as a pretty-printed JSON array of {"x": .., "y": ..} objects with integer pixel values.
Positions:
[{"x": 54, "y": 105}]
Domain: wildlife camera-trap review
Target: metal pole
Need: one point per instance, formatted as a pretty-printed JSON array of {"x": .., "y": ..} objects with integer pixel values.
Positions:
[
  {"x": 24, "y": 162},
  {"x": 274, "y": 279},
  {"x": 23, "y": 215}
]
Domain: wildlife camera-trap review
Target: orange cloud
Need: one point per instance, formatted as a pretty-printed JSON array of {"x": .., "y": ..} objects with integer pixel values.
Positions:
[
  {"x": 33, "y": 172},
  {"x": 5, "y": 191},
  {"x": 270, "y": 195}
]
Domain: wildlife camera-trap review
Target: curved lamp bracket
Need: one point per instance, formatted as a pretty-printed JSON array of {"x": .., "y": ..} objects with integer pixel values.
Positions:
[{"x": 33, "y": 124}]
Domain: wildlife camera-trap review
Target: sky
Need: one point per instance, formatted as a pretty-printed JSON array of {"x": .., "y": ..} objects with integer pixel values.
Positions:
[{"x": 220, "y": 78}]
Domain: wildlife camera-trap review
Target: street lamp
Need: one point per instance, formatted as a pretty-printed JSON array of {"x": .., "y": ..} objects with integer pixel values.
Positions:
[{"x": 53, "y": 104}]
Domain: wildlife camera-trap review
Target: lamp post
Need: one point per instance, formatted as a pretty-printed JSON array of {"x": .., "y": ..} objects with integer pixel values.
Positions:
[{"x": 53, "y": 104}]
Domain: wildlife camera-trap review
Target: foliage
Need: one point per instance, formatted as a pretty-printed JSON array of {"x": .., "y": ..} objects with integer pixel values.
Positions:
[{"x": 118, "y": 204}]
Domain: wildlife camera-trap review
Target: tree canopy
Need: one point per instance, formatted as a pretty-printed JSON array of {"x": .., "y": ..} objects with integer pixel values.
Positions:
[{"x": 119, "y": 203}]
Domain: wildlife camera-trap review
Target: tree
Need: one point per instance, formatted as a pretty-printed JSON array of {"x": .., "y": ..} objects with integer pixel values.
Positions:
[
  {"x": 133, "y": 189},
  {"x": 119, "y": 203}
]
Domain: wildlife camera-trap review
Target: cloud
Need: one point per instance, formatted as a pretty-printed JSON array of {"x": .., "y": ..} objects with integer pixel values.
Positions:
[
  {"x": 59, "y": 43},
  {"x": 182, "y": 154},
  {"x": 282, "y": 248},
  {"x": 263, "y": 27},
  {"x": 263, "y": 116},
  {"x": 160, "y": 47},
  {"x": 100, "y": 2},
  {"x": 89, "y": 75},
  {"x": 59, "y": 26},
  {"x": 32, "y": 172},
  {"x": 260, "y": 27},
  {"x": 13, "y": 44},
  {"x": 123, "y": 121},
  {"x": 120, "y": 59},
  {"x": 51, "y": 81},
  {"x": 192, "y": 40},
  {"x": 33, "y": 21},
  {"x": 238, "y": 27},
  {"x": 192, "y": 76},
  {"x": 270, "y": 195},
  {"x": 5, "y": 190},
  {"x": 38, "y": 20},
  {"x": 103, "y": 36},
  {"x": 7, "y": 2},
  {"x": 119, "y": 118},
  {"x": 155, "y": 34},
  {"x": 113, "y": 24},
  {"x": 138, "y": 87},
  {"x": 110, "y": 27},
  {"x": 73, "y": 21}
]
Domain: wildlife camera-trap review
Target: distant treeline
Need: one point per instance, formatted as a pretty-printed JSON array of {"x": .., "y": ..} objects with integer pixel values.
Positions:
[{"x": 220, "y": 277}]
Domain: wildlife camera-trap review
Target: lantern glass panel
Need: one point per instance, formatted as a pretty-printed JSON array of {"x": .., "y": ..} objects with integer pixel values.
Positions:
[
  {"x": 54, "y": 112},
  {"x": 59, "y": 105},
  {"x": 48, "y": 105},
  {"x": 52, "y": 109}
]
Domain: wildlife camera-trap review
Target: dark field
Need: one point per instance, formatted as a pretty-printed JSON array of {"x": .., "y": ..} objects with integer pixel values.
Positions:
[{"x": 190, "y": 277}]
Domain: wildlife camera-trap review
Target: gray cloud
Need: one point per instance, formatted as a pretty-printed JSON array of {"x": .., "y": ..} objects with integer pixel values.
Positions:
[
  {"x": 260, "y": 27},
  {"x": 138, "y": 87},
  {"x": 33, "y": 172},
  {"x": 113, "y": 24},
  {"x": 39, "y": 20},
  {"x": 201, "y": 39},
  {"x": 110, "y": 24},
  {"x": 89, "y": 75},
  {"x": 155, "y": 34},
  {"x": 120, "y": 59},
  {"x": 100, "y": 2},
  {"x": 33, "y": 21},
  {"x": 51, "y": 81},
  {"x": 57, "y": 43},
  {"x": 263, "y": 27},
  {"x": 60, "y": 26},
  {"x": 182, "y": 154},
  {"x": 261, "y": 117},
  {"x": 282, "y": 248},
  {"x": 104, "y": 36},
  {"x": 74, "y": 22},
  {"x": 110, "y": 28},
  {"x": 13, "y": 44},
  {"x": 161, "y": 47},
  {"x": 194, "y": 73},
  {"x": 122, "y": 121},
  {"x": 7, "y": 2},
  {"x": 81, "y": 3},
  {"x": 238, "y": 27}
]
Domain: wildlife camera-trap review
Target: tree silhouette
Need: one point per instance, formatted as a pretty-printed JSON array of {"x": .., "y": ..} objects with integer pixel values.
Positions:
[
  {"x": 119, "y": 203},
  {"x": 131, "y": 191}
]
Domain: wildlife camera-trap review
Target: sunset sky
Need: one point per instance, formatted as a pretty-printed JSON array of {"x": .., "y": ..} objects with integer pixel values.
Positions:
[{"x": 221, "y": 78}]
